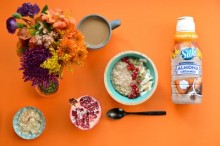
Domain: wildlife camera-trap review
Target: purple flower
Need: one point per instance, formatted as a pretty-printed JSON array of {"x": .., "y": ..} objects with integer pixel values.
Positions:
[
  {"x": 11, "y": 25},
  {"x": 30, "y": 64},
  {"x": 34, "y": 10},
  {"x": 28, "y": 9}
]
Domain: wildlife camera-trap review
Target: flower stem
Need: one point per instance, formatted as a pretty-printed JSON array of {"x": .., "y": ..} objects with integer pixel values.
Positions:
[{"x": 27, "y": 21}]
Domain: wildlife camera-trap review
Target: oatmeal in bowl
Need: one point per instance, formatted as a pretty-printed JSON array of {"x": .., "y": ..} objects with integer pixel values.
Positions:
[{"x": 130, "y": 77}]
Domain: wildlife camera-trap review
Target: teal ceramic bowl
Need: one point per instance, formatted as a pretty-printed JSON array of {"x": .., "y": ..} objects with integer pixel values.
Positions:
[
  {"x": 110, "y": 88},
  {"x": 17, "y": 127}
]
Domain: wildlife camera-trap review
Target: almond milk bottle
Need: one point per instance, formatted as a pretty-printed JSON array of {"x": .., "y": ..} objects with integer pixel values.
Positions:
[{"x": 186, "y": 64}]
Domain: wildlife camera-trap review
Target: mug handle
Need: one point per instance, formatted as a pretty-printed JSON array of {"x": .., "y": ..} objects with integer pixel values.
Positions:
[{"x": 115, "y": 23}]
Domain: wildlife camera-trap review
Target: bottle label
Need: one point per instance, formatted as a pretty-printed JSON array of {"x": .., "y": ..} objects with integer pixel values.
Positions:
[
  {"x": 188, "y": 53},
  {"x": 186, "y": 73},
  {"x": 187, "y": 68}
]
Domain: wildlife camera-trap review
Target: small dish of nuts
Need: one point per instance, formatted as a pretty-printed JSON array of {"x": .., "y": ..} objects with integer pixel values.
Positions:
[{"x": 29, "y": 122}]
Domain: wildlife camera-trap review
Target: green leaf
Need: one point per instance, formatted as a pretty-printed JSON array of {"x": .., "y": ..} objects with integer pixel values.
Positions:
[
  {"x": 47, "y": 26},
  {"x": 17, "y": 15},
  {"x": 20, "y": 25},
  {"x": 51, "y": 88},
  {"x": 33, "y": 32},
  {"x": 41, "y": 32},
  {"x": 35, "y": 26},
  {"x": 22, "y": 50},
  {"x": 44, "y": 9}
]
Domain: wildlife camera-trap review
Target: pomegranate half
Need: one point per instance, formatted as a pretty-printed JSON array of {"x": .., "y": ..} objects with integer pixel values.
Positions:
[{"x": 85, "y": 112}]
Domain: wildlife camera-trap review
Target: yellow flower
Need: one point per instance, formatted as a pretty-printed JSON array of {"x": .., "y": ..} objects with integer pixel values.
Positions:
[{"x": 52, "y": 64}]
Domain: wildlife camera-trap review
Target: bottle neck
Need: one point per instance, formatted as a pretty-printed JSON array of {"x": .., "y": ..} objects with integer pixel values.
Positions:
[{"x": 186, "y": 37}]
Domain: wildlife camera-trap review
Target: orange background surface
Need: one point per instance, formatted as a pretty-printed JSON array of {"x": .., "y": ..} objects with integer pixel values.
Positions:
[{"x": 148, "y": 27}]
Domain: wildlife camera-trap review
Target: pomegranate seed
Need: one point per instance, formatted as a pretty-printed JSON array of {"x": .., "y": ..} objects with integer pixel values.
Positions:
[
  {"x": 74, "y": 113},
  {"x": 129, "y": 67},
  {"x": 124, "y": 59},
  {"x": 132, "y": 67},
  {"x": 132, "y": 84},
  {"x": 92, "y": 116},
  {"x": 130, "y": 96},
  {"x": 134, "y": 76},
  {"x": 133, "y": 95}
]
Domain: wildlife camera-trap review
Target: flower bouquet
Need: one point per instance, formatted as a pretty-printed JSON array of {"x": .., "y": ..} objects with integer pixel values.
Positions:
[{"x": 47, "y": 43}]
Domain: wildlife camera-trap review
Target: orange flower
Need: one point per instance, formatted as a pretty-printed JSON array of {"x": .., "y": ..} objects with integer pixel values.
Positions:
[
  {"x": 32, "y": 42},
  {"x": 24, "y": 34},
  {"x": 81, "y": 55},
  {"x": 57, "y": 18},
  {"x": 66, "y": 50},
  {"x": 77, "y": 35},
  {"x": 68, "y": 32},
  {"x": 72, "y": 51}
]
